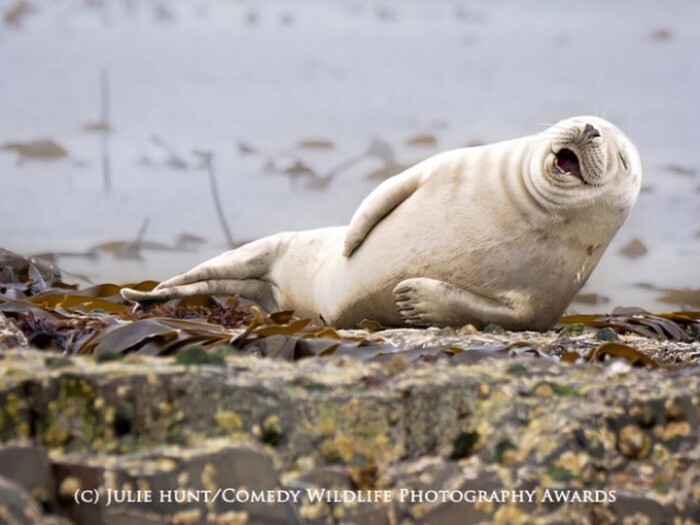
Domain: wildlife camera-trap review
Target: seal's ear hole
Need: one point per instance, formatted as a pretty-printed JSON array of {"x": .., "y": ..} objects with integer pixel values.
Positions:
[{"x": 623, "y": 160}]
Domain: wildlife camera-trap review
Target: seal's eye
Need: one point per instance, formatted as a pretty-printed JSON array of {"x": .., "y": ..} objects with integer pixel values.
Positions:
[
  {"x": 622, "y": 159},
  {"x": 567, "y": 162}
]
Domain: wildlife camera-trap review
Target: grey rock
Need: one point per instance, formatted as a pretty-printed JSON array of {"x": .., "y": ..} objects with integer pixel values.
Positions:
[
  {"x": 16, "y": 506},
  {"x": 29, "y": 467},
  {"x": 10, "y": 335},
  {"x": 202, "y": 483},
  {"x": 14, "y": 265}
]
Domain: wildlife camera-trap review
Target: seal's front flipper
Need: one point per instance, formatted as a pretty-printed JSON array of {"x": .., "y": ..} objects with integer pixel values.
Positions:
[
  {"x": 425, "y": 302},
  {"x": 378, "y": 204}
]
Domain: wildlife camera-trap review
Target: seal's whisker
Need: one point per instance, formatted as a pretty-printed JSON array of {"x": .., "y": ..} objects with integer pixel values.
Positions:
[{"x": 605, "y": 111}]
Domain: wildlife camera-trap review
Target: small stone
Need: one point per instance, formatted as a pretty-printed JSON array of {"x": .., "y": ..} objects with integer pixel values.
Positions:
[
  {"x": 675, "y": 429},
  {"x": 516, "y": 369},
  {"x": 644, "y": 414},
  {"x": 229, "y": 421},
  {"x": 633, "y": 442},
  {"x": 494, "y": 329},
  {"x": 468, "y": 329},
  {"x": 68, "y": 487},
  {"x": 107, "y": 356},
  {"x": 544, "y": 390},
  {"x": 464, "y": 445},
  {"x": 574, "y": 329},
  {"x": 272, "y": 430},
  {"x": 197, "y": 355},
  {"x": 58, "y": 362},
  {"x": 607, "y": 334},
  {"x": 675, "y": 410},
  {"x": 484, "y": 390}
]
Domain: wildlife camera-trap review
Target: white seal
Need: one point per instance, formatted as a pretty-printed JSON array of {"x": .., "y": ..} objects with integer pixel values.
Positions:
[{"x": 505, "y": 233}]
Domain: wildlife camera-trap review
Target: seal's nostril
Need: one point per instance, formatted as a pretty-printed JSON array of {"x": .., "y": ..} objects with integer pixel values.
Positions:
[{"x": 590, "y": 132}]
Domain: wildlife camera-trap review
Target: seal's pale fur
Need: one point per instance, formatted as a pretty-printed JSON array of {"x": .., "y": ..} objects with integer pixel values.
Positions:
[{"x": 505, "y": 233}]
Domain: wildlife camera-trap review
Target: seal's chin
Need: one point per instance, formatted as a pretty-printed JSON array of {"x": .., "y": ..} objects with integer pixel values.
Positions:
[{"x": 567, "y": 163}]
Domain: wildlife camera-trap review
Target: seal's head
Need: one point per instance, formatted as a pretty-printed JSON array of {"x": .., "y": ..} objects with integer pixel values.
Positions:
[{"x": 584, "y": 161}]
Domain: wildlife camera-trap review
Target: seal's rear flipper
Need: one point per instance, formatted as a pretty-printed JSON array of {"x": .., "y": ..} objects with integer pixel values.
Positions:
[
  {"x": 257, "y": 290},
  {"x": 136, "y": 296},
  {"x": 243, "y": 271},
  {"x": 141, "y": 299}
]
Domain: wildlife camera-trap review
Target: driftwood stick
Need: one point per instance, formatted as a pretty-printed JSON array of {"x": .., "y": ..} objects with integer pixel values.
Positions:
[
  {"x": 106, "y": 128},
  {"x": 206, "y": 157}
]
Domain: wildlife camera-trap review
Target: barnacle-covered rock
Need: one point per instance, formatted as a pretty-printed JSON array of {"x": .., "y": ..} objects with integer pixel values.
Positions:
[{"x": 591, "y": 442}]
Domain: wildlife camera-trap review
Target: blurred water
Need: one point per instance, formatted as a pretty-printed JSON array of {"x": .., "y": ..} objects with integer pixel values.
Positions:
[{"x": 187, "y": 76}]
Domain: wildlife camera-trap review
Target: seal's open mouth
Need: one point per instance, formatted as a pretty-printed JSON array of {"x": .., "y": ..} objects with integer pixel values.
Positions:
[{"x": 567, "y": 162}]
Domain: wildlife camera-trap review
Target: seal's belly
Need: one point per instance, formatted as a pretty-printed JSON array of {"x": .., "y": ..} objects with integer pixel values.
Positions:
[{"x": 444, "y": 243}]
